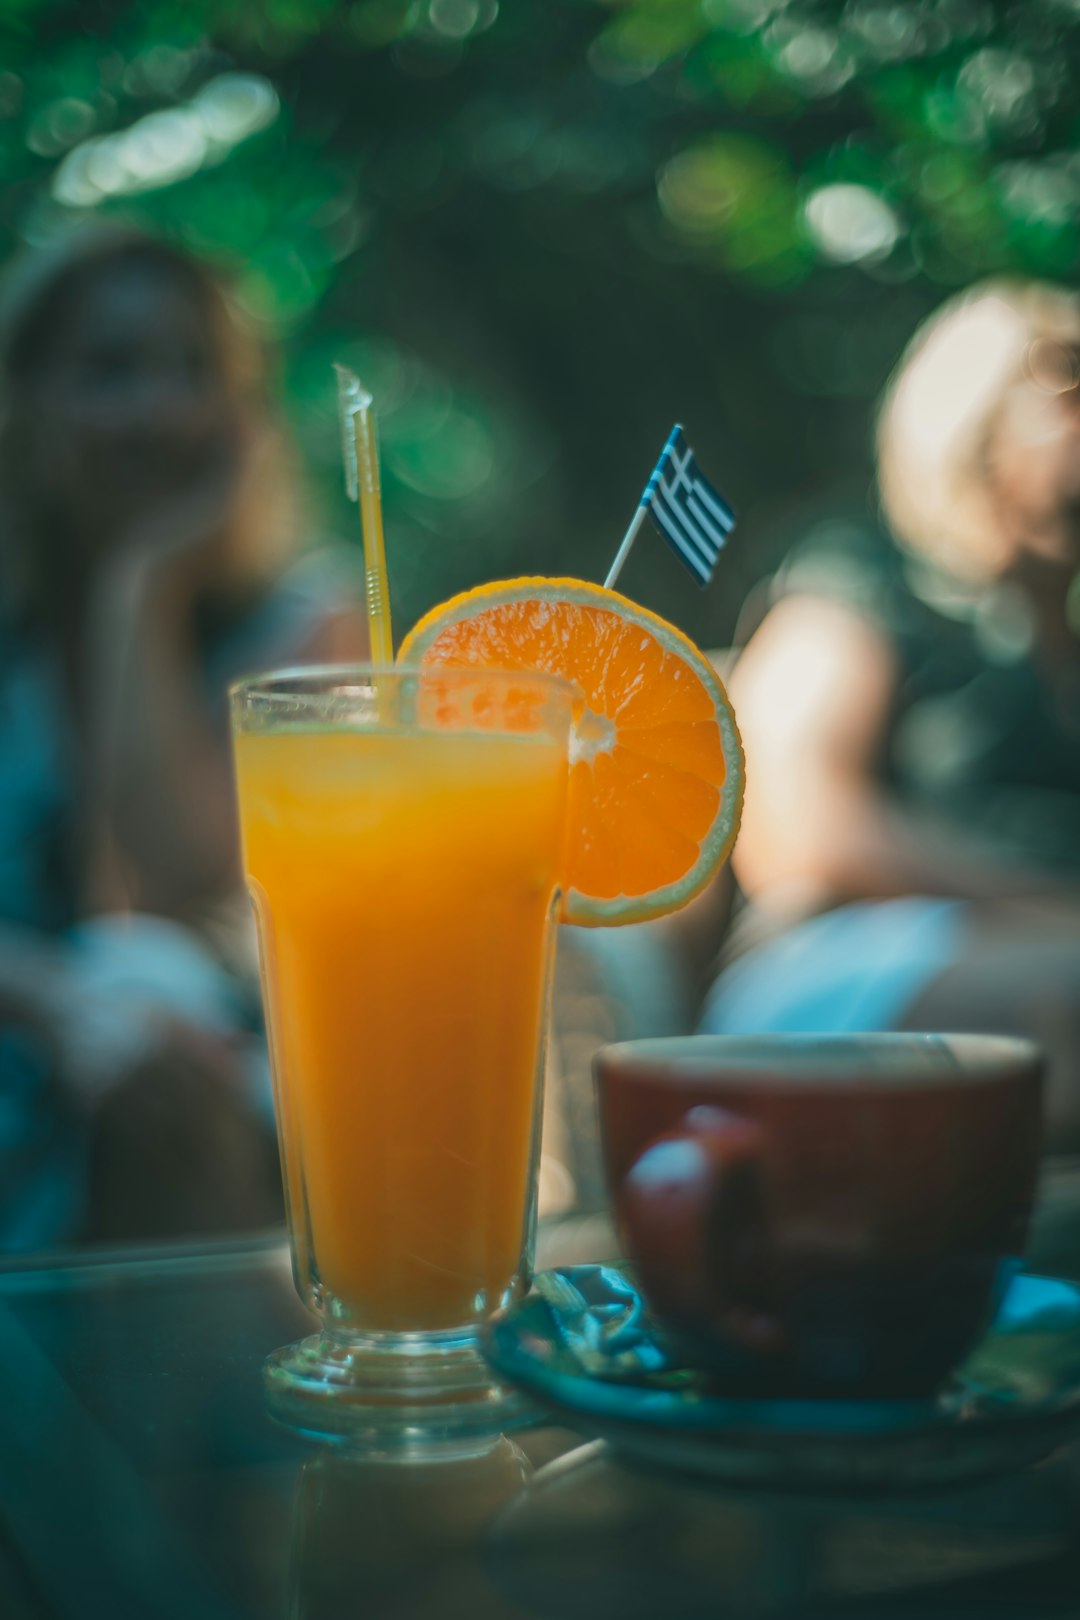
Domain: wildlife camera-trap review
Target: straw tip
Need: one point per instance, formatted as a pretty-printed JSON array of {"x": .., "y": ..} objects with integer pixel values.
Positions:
[{"x": 351, "y": 391}]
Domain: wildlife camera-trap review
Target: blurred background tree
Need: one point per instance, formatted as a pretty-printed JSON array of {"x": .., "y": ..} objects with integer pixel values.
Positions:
[{"x": 544, "y": 231}]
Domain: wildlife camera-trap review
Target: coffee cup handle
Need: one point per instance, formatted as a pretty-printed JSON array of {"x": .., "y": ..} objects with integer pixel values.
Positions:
[{"x": 693, "y": 1216}]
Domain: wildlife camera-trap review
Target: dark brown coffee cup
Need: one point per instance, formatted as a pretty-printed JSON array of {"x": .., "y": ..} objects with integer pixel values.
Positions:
[{"x": 823, "y": 1215}]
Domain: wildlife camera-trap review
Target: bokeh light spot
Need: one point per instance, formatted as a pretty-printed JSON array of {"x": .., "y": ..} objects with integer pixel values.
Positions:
[
  {"x": 457, "y": 19},
  {"x": 851, "y": 223},
  {"x": 234, "y": 106},
  {"x": 169, "y": 145},
  {"x": 445, "y": 454},
  {"x": 59, "y": 125}
]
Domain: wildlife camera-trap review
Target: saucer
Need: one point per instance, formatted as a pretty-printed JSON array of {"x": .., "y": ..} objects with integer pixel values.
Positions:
[{"x": 582, "y": 1344}]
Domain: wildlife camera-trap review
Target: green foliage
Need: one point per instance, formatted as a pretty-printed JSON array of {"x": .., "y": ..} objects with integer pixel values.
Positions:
[{"x": 549, "y": 230}]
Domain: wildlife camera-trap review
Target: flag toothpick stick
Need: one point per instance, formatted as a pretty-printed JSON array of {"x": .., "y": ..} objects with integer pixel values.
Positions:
[
  {"x": 693, "y": 517},
  {"x": 624, "y": 549},
  {"x": 361, "y": 455}
]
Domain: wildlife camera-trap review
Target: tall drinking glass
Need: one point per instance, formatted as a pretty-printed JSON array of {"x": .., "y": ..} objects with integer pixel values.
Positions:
[{"x": 403, "y": 838}]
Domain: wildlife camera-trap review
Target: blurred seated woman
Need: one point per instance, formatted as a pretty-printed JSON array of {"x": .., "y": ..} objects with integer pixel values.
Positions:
[
  {"x": 147, "y": 557},
  {"x": 911, "y": 713}
]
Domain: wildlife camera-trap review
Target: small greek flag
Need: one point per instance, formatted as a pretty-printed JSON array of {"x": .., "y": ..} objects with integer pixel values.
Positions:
[{"x": 692, "y": 516}]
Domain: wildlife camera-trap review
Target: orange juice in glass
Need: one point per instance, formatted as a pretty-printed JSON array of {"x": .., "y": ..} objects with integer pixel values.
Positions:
[{"x": 403, "y": 839}]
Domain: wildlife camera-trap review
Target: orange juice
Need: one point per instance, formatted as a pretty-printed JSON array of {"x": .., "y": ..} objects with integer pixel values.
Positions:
[{"x": 405, "y": 882}]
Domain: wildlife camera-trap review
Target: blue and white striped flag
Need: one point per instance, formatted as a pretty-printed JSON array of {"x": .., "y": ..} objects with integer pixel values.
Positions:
[{"x": 693, "y": 517}]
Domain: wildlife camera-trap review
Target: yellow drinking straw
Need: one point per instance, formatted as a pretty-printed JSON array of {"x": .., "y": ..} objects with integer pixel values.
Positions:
[{"x": 361, "y": 452}]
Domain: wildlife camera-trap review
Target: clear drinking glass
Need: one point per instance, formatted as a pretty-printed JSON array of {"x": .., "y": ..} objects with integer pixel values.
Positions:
[{"x": 403, "y": 839}]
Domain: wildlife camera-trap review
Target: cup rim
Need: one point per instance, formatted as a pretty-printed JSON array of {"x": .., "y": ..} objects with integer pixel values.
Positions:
[{"x": 967, "y": 1057}]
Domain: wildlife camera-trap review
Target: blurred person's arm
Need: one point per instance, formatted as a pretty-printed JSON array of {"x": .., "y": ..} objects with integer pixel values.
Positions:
[
  {"x": 159, "y": 771},
  {"x": 813, "y": 692}
]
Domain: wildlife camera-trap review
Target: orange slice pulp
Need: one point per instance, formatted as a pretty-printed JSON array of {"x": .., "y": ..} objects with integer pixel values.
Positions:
[{"x": 656, "y": 779}]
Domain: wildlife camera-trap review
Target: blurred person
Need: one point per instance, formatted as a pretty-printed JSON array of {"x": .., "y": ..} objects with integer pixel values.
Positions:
[
  {"x": 910, "y": 848},
  {"x": 148, "y": 555}
]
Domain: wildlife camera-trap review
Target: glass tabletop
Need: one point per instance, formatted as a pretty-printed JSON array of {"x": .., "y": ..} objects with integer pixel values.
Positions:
[{"x": 141, "y": 1476}]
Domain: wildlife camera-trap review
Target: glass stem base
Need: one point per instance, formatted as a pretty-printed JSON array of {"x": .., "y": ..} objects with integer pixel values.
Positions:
[{"x": 389, "y": 1393}]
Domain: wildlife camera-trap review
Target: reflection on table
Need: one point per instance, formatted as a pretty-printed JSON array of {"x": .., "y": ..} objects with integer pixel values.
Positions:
[{"x": 141, "y": 1476}]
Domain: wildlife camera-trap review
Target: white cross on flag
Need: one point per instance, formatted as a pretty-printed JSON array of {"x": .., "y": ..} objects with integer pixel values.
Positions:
[{"x": 692, "y": 516}]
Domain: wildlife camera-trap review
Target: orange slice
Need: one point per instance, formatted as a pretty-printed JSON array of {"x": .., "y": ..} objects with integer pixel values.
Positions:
[{"x": 656, "y": 778}]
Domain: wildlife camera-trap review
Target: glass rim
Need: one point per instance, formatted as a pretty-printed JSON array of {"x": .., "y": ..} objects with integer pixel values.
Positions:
[{"x": 301, "y": 680}]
